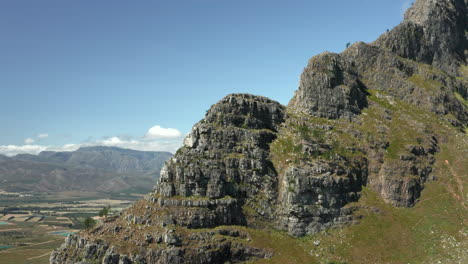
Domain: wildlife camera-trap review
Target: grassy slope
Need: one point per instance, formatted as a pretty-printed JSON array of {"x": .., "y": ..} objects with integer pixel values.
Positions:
[{"x": 434, "y": 230}]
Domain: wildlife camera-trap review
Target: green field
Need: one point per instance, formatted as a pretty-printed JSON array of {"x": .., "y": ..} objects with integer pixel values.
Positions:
[
  {"x": 22, "y": 242},
  {"x": 32, "y": 226}
]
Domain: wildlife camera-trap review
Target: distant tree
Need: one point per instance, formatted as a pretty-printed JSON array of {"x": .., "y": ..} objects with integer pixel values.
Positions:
[
  {"x": 388, "y": 30},
  {"x": 105, "y": 211},
  {"x": 89, "y": 222},
  {"x": 348, "y": 44}
]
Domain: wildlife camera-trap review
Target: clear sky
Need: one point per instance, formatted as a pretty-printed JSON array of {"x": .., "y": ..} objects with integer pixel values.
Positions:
[{"x": 140, "y": 73}]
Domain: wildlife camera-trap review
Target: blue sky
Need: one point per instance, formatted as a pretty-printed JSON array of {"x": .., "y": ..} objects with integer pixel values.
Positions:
[{"x": 139, "y": 74}]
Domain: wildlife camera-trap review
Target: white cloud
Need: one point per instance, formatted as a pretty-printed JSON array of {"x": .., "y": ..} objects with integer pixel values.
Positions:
[
  {"x": 112, "y": 141},
  {"x": 156, "y": 139},
  {"x": 29, "y": 141},
  {"x": 43, "y": 135},
  {"x": 11, "y": 150},
  {"x": 144, "y": 145},
  {"x": 158, "y": 132}
]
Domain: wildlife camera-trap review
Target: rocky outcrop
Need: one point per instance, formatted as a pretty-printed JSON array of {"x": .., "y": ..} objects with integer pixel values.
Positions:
[
  {"x": 208, "y": 247},
  {"x": 226, "y": 154},
  {"x": 222, "y": 167},
  {"x": 413, "y": 82},
  {"x": 433, "y": 33},
  {"x": 329, "y": 88},
  {"x": 317, "y": 179},
  {"x": 362, "y": 118},
  {"x": 400, "y": 180},
  {"x": 314, "y": 197}
]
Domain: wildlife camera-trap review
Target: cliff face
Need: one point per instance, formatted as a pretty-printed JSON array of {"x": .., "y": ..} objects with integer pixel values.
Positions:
[
  {"x": 433, "y": 32},
  {"x": 330, "y": 88},
  {"x": 375, "y": 117},
  {"x": 223, "y": 167}
]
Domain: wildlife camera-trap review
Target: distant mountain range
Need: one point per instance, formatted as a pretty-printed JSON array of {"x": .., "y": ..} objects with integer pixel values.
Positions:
[{"x": 108, "y": 169}]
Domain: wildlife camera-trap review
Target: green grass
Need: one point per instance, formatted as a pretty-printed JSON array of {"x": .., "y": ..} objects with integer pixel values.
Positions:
[
  {"x": 29, "y": 255},
  {"x": 37, "y": 241},
  {"x": 426, "y": 233},
  {"x": 284, "y": 150},
  {"x": 429, "y": 85},
  {"x": 287, "y": 249},
  {"x": 461, "y": 99},
  {"x": 431, "y": 231},
  {"x": 398, "y": 235}
]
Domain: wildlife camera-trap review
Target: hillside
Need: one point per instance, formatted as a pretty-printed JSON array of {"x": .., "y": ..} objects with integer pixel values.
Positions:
[
  {"x": 366, "y": 164},
  {"x": 106, "y": 169}
]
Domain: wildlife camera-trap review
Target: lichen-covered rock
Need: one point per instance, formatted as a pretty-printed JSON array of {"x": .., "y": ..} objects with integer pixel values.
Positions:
[
  {"x": 413, "y": 82},
  {"x": 314, "y": 197},
  {"x": 223, "y": 165},
  {"x": 400, "y": 181},
  {"x": 226, "y": 155},
  {"x": 329, "y": 88},
  {"x": 318, "y": 177},
  {"x": 433, "y": 32},
  {"x": 360, "y": 118},
  {"x": 206, "y": 249}
]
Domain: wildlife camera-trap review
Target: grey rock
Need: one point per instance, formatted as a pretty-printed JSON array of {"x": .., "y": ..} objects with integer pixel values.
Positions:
[
  {"x": 433, "y": 32},
  {"x": 171, "y": 239},
  {"x": 233, "y": 171},
  {"x": 330, "y": 88}
]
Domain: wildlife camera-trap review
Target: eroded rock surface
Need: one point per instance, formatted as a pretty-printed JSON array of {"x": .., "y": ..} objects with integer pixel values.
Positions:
[
  {"x": 433, "y": 33},
  {"x": 329, "y": 88},
  {"x": 360, "y": 119}
]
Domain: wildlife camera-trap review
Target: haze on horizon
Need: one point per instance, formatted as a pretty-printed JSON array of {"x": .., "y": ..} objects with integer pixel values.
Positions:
[{"x": 139, "y": 75}]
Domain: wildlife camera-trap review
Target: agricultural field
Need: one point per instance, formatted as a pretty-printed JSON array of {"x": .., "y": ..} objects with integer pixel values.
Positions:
[{"x": 33, "y": 224}]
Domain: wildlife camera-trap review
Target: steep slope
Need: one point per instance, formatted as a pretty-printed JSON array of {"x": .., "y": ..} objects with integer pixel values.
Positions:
[
  {"x": 433, "y": 32},
  {"x": 103, "y": 169},
  {"x": 223, "y": 167},
  {"x": 371, "y": 135}
]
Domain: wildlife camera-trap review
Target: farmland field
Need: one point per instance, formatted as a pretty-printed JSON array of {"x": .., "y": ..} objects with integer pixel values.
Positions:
[{"x": 32, "y": 225}]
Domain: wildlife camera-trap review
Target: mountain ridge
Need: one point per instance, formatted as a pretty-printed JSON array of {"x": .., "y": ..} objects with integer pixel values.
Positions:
[
  {"x": 370, "y": 135},
  {"x": 107, "y": 169}
]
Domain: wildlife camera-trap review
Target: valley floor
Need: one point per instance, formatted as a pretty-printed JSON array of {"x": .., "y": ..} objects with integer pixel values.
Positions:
[{"x": 33, "y": 224}]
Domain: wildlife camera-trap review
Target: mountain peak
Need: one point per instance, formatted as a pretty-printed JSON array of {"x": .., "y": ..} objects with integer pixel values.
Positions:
[
  {"x": 433, "y": 32},
  {"x": 424, "y": 11},
  {"x": 372, "y": 122}
]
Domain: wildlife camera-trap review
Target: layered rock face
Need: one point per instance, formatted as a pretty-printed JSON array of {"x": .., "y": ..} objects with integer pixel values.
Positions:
[
  {"x": 222, "y": 167},
  {"x": 418, "y": 63},
  {"x": 317, "y": 179},
  {"x": 360, "y": 119},
  {"x": 329, "y": 88},
  {"x": 410, "y": 81},
  {"x": 433, "y": 32},
  {"x": 226, "y": 155}
]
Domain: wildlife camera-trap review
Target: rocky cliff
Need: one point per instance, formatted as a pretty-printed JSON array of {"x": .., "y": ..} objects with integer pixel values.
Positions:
[{"x": 375, "y": 122}]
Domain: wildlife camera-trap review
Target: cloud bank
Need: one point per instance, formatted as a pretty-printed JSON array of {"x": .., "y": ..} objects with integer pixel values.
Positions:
[
  {"x": 11, "y": 150},
  {"x": 156, "y": 138}
]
